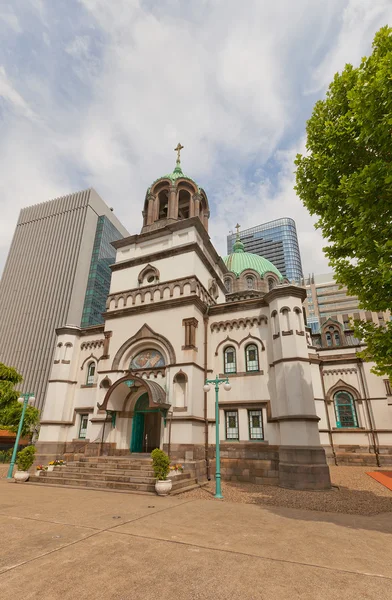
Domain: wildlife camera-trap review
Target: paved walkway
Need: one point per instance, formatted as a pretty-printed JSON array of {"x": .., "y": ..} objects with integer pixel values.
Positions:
[{"x": 68, "y": 544}]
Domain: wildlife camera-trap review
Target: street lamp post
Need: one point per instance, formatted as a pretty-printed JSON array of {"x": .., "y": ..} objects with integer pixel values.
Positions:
[
  {"x": 217, "y": 382},
  {"x": 26, "y": 399}
]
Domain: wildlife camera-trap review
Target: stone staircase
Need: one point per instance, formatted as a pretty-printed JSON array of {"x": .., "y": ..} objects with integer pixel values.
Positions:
[{"x": 126, "y": 474}]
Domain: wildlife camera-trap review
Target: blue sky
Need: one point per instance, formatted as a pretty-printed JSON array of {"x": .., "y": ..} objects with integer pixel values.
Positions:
[{"x": 97, "y": 94}]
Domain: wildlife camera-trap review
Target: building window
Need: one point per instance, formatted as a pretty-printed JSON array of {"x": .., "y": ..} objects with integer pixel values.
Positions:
[
  {"x": 232, "y": 432},
  {"x": 90, "y": 374},
  {"x": 252, "y": 358},
  {"x": 230, "y": 360},
  {"x": 250, "y": 283},
  {"x": 328, "y": 337},
  {"x": 255, "y": 425},
  {"x": 83, "y": 427},
  {"x": 228, "y": 285},
  {"x": 345, "y": 410},
  {"x": 388, "y": 388},
  {"x": 190, "y": 332},
  {"x": 271, "y": 283},
  {"x": 337, "y": 338}
]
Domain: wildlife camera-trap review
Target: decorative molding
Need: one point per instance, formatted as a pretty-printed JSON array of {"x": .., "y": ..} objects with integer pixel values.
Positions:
[
  {"x": 238, "y": 323},
  {"x": 195, "y": 287},
  {"x": 66, "y": 362},
  {"x": 290, "y": 332},
  {"x": 154, "y": 306},
  {"x": 342, "y": 386},
  {"x": 285, "y": 308},
  {"x": 61, "y": 381},
  {"x": 225, "y": 341},
  {"x": 92, "y": 344},
  {"x": 291, "y": 359},
  {"x": 299, "y": 332},
  {"x": 339, "y": 371},
  {"x": 238, "y": 306},
  {"x": 276, "y": 335},
  {"x": 145, "y": 333},
  {"x": 285, "y": 290},
  {"x": 241, "y": 374}
]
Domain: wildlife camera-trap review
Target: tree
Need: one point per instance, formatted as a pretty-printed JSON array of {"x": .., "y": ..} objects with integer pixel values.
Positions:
[
  {"x": 10, "y": 408},
  {"x": 346, "y": 180}
]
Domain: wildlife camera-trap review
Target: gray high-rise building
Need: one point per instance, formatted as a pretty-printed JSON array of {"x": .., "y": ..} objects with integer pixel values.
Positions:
[
  {"x": 277, "y": 241},
  {"x": 57, "y": 273}
]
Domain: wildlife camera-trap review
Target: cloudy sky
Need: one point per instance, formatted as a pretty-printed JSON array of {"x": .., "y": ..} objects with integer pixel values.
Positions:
[{"x": 97, "y": 93}]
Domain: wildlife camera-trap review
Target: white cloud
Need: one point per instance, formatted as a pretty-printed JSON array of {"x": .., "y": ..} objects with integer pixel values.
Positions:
[{"x": 120, "y": 83}]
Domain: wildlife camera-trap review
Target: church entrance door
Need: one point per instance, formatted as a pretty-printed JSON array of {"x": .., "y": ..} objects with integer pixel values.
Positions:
[{"x": 146, "y": 426}]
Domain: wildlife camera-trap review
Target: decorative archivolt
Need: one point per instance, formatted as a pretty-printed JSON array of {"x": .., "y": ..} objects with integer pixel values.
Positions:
[
  {"x": 228, "y": 341},
  {"x": 92, "y": 344},
  {"x": 159, "y": 291},
  {"x": 145, "y": 334},
  {"x": 238, "y": 323},
  {"x": 89, "y": 359},
  {"x": 342, "y": 386}
]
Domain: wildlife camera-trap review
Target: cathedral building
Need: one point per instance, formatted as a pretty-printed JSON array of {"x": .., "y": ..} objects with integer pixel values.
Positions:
[{"x": 178, "y": 314}]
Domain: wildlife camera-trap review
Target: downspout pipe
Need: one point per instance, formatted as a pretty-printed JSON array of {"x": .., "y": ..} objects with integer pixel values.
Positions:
[
  {"x": 327, "y": 414},
  {"x": 206, "y": 453},
  {"x": 369, "y": 411}
]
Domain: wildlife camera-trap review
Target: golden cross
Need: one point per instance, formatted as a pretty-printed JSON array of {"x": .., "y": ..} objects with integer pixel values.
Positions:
[
  {"x": 237, "y": 227},
  {"x": 178, "y": 150}
]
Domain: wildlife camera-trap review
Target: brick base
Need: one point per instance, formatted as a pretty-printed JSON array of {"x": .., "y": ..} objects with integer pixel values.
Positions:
[{"x": 303, "y": 468}]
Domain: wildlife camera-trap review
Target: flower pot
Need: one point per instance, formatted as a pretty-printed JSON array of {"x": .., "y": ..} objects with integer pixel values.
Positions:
[
  {"x": 50, "y": 467},
  {"x": 163, "y": 488},
  {"x": 21, "y": 476},
  {"x": 38, "y": 473}
]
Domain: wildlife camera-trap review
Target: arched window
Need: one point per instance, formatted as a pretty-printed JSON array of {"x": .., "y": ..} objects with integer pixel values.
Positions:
[
  {"x": 90, "y": 373},
  {"x": 179, "y": 390},
  {"x": 345, "y": 410},
  {"x": 271, "y": 283},
  {"x": 230, "y": 360},
  {"x": 251, "y": 357},
  {"x": 163, "y": 204},
  {"x": 328, "y": 337},
  {"x": 250, "y": 283},
  {"x": 228, "y": 285},
  {"x": 336, "y": 338},
  {"x": 285, "y": 319},
  {"x": 184, "y": 202}
]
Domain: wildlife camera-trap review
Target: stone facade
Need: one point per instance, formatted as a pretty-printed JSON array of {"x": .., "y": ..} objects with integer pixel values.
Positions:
[{"x": 171, "y": 323}]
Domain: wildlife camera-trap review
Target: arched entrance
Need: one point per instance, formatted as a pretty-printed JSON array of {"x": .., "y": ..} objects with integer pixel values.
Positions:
[
  {"x": 146, "y": 426},
  {"x": 139, "y": 408}
]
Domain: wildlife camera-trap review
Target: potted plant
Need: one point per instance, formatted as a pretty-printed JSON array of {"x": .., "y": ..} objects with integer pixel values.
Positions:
[
  {"x": 39, "y": 469},
  {"x": 160, "y": 465},
  {"x": 176, "y": 469},
  {"x": 58, "y": 463},
  {"x": 51, "y": 465},
  {"x": 24, "y": 461}
]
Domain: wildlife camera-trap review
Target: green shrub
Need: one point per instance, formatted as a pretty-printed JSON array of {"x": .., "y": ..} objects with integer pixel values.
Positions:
[
  {"x": 160, "y": 464},
  {"x": 25, "y": 458},
  {"x": 5, "y": 456}
]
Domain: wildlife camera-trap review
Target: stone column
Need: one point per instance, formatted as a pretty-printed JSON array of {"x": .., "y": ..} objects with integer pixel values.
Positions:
[
  {"x": 150, "y": 209},
  {"x": 302, "y": 461},
  {"x": 196, "y": 205},
  {"x": 172, "y": 212}
]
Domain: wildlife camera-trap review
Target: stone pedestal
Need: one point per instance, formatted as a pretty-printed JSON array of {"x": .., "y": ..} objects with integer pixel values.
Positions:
[{"x": 303, "y": 468}]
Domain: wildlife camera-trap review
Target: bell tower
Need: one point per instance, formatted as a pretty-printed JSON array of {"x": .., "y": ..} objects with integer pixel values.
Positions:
[{"x": 174, "y": 197}]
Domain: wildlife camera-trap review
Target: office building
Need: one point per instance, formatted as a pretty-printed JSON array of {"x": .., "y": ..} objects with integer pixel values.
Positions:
[
  {"x": 57, "y": 273},
  {"x": 276, "y": 241},
  {"x": 327, "y": 299}
]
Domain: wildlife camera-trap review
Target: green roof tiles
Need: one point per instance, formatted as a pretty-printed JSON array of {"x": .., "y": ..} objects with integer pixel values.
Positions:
[
  {"x": 239, "y": 261},
  {"x": 177, "y": 174}
]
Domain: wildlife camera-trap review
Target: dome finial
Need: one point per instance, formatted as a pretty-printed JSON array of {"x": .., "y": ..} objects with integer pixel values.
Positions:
[
  {"x": 178, "y": 150},
  {"x": 238, "y": 246}
]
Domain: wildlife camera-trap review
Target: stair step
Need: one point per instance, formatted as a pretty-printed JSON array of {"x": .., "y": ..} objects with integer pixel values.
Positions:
[
  {"x": 91, "y": 489},
  {"x": 97, "y": 477},
  {"x": 189, "y": 488},
  {"x": 97, "y": 483},
  {"x": 105, "y": 470}
]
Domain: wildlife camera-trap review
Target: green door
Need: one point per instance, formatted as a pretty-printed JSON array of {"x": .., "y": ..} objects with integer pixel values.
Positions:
[{"x": 137, "y": 432}]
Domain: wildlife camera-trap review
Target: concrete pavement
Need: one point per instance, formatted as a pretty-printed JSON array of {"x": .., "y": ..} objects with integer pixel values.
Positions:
[{"x": 65, "y": 543}]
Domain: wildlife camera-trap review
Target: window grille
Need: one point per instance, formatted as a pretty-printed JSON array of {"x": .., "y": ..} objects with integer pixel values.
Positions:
[
  {"x": 251, "y": 358},
  {"x": 232, "y": 432},
  {"x": 230, "y": 360},
  {"x": 345, "y": 410},
  {"x": 255, "y": 425}
]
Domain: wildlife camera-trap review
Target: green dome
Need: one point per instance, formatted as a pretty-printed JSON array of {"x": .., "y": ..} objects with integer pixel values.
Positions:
[
  {"x": 177, "y": 174},
  {"x": 239, "y": 261}
]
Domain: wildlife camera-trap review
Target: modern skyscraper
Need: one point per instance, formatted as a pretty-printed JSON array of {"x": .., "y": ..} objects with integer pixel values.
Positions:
[
  {"x": 57, "y": 273},
  {"x": 326, "y": 299},
  {"x": 276, "y": 241}
]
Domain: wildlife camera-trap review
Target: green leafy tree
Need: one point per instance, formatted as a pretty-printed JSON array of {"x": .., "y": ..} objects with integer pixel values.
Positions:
[
  {"x": 10, "y": 408},
  {"x": 345, "y": 178}
]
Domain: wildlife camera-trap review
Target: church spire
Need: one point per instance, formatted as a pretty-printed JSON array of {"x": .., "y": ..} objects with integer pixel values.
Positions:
[
  {"x": 178, "y": 161},
  {"x": 238, "y": 246}
]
